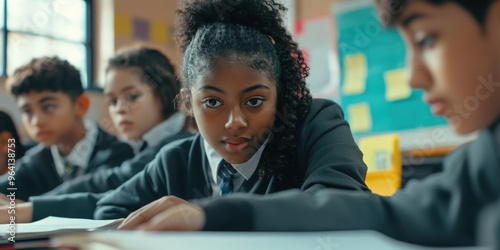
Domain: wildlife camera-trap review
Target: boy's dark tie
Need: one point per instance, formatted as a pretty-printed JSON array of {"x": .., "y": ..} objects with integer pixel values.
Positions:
[
  {"x": 143, "y": 146},
  {"x": 71, "y": 171},
  {"x": 226, "y": 173}
]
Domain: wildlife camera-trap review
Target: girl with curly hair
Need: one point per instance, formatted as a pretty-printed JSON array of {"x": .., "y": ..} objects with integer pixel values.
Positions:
[{"x": 260, "y": 130}]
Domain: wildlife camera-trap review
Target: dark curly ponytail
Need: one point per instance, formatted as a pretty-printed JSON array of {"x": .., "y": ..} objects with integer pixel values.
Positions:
[{"x": 252, "y": 32}]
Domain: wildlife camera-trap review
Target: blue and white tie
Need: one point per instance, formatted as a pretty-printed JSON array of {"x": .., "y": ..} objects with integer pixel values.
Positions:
[{"x": 226, "y": 173}]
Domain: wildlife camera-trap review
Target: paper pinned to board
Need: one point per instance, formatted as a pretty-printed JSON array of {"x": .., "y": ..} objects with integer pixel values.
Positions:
[
  {"x": 360, "y": 118},
  {"x": 355, "y": 73},
  {"x": 396, "y": 85}
]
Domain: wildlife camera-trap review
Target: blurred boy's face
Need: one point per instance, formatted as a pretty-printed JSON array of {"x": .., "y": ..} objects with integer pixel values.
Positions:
[
  {"x": 52, "y": 117},
  {"x": 455, "y": 60},
  {"x": 234, "y": 107},
  {"x": 132, "y": 104}
]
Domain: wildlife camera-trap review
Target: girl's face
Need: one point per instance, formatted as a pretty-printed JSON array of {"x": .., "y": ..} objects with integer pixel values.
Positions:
[
  {"x": 132, "y": 104},
  {"x": 234, "y": 107},
  {"x": 455, "y": 60}
]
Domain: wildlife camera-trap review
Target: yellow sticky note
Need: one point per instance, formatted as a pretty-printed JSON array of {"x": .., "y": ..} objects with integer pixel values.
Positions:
[
  {"x": 355, "y": 74},
  {"x": 159, "y": 32},
  {"x": 396, "y": 85},
  {"x": 360, "y": 118},
  {"x": 123, "y": 25}
]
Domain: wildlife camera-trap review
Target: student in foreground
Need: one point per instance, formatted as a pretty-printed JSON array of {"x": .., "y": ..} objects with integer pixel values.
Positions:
[
  {"x": 141, "y": 86},
  {"x": 260, "y": 130},
  {"x": 53, "y": 105},
  {"x": 454, "y": 56}
]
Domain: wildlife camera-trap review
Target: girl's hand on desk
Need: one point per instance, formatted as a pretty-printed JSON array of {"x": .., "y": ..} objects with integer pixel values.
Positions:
[{"x": 166, "y": 214}]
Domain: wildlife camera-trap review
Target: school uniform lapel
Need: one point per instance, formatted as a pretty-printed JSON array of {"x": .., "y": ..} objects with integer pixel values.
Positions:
[
  {"x": 257, "y": 185},
  {"x": 93, "y": 161},
  {"x": 207, "y": 190},
  {"x": 484, "y": 166}
]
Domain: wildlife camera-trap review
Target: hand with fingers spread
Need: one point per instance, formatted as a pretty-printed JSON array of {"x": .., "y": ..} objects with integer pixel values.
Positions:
[{"x": 166, "y": 214}]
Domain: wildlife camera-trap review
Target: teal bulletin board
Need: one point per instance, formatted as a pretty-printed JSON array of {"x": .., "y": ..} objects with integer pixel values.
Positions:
[{"x": 373, "y": 89}]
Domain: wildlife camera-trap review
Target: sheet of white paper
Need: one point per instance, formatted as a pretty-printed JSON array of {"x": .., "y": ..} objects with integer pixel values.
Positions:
[{"x": 54, "y": 225}]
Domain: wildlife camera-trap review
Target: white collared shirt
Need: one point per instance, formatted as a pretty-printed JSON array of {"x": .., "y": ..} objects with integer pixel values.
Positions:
[
  {"x": 81, "y": 152},
  {"x": 245, "y": 170},
  {"x": 167, "y": 128}
]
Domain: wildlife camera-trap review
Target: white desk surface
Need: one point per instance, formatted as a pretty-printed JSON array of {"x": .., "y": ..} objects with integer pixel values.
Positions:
[{"x": 112, "y": 240}]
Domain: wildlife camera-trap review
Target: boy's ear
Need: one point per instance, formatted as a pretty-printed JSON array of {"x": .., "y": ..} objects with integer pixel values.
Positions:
[
  {"x": 186, "y": 101},
  {"x": 82, "y": 105}
]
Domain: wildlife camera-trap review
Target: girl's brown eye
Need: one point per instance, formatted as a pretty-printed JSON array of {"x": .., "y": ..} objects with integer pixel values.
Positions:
[
  {"x": 212, "y": 103},
  {"x": 255, "y": 102}
]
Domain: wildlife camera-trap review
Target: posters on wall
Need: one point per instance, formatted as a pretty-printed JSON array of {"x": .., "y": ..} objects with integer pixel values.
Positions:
[{"x": 142, "y": 29}]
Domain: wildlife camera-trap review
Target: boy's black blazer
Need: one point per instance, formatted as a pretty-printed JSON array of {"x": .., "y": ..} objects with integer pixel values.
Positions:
[
  {"x": 442, "y": 209},
  {"x": 35, "y": 173}
]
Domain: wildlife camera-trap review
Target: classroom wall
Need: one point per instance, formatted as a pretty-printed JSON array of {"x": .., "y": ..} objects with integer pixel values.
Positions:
[
  {"x": 158, "y": 15},
  {"x": 307, "y": 9}
]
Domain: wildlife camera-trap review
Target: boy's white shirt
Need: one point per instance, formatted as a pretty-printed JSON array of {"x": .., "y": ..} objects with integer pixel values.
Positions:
[
  {"x": 154, "y": 136},
  {"x": 80, "y": 155}
]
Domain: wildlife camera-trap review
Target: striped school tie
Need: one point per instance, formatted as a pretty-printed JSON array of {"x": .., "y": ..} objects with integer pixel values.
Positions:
[
  {"x": 226, "y": 173},
  {"x": 71, "y": 171}
]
